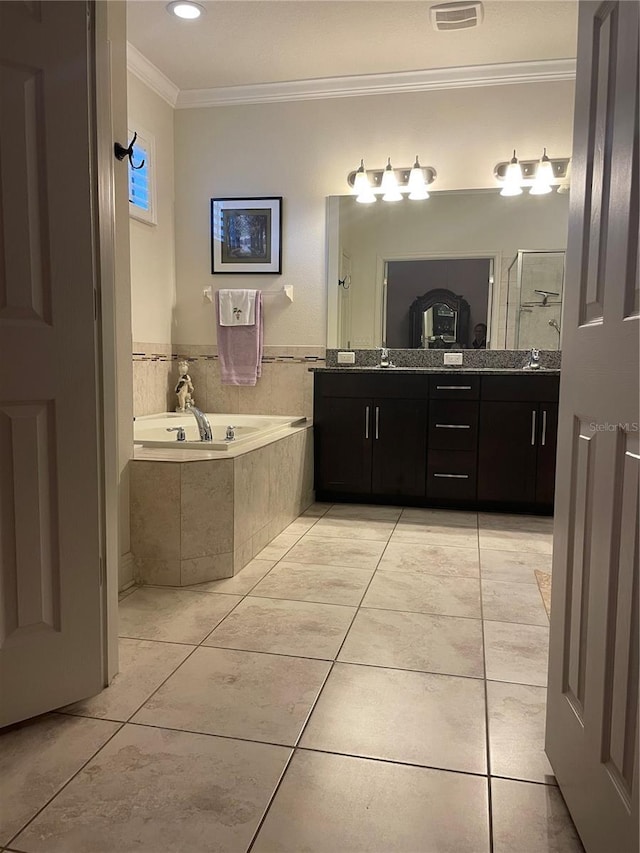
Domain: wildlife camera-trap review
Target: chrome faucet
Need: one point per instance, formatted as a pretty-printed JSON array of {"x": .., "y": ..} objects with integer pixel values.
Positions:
[
  {"x": 231, "y": 434},
  {"x": 385, "y": 361},
  {"x": 204, "y": 427},
  {"x": 534, "y": 359}
]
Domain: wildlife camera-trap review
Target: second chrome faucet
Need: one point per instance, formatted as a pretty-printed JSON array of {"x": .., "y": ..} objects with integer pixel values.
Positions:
[{"x": 204, "y": 427}]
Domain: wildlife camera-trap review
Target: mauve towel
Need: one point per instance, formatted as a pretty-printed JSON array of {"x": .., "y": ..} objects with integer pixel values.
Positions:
[{"x": 240, "y": 349}]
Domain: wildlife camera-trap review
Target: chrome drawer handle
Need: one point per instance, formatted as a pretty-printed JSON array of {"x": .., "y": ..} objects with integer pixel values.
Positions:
[
  {"x": 453, "y": 387},
  {"x": 533, "y": 428},
  {"x": 366, "y": 422},
  {"x": 377, "y": 422},
  {"x": 452, "y": 476},
  {"x": 544, "y": 427},
  {"x": 453, "y": 426}
]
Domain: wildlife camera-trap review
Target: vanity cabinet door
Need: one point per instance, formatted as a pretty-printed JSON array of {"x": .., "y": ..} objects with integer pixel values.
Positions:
[
  {"x": 546, "y": 467},
  {"x": 507, "y": 452},
  {"x": 399, "y": 447},
  {"x": 343, "y": 437}
]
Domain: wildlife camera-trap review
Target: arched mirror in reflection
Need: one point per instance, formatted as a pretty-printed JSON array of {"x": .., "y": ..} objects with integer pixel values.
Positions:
[{"x": 439, "y": 320}]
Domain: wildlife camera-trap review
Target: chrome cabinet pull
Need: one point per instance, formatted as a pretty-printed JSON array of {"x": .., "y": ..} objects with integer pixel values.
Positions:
[
  {"x": 366, "y": 422},
  {"x": 377, "y": 421},
  {"x": 453, "y": 476},
  {"x": 453, "y": 387},
  {"x": 544, "y": 427},
  {"x": 453, "y": 426},
  {"x": 533, "y": 427}
]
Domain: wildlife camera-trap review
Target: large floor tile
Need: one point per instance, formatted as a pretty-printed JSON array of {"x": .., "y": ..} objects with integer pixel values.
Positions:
[
  {"x": 516, "y": 653},
  {"x": 531, "y": 818},
  {"x": 411, "y": 717},
  {"x": 415, "y": 591},
  {"x": 325, "y": 584},
  {"x": 301, "y": 525},
  {"x": 298, "y": 628},
  {"x": 238, "y": 694},
  {"x": 512, "y": 566},
  {"x": 350, "y": 528},
  {"x": 156, "y": 791},
  {"x": 364, "y": 512},
  {"x": 336, "y": 552},
  {"x": 452, "y": 518},
  {"x": 37, "y": 758},
  {"x": 524, "y": 533},
  {"x": 513, "y": 602},
  {"x": 316, "y": 510},
  {"x": 242, "y": 582},
  {"x": 351, "y": 805},
  {"x": 172, "y": 615},
  {"x": 144, "y": 665},
  {"x": 416, "y": 641},
  {"x": 516, "y": 732},
  {"x": 452, "y": 537},
  {"x": 430, "y": 559}
]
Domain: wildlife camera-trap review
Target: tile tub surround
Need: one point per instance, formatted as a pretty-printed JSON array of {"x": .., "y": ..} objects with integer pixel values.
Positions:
[
  {"x": 284, "y": 387},
  {"x": 199, "y": 519},
  {"x": 431, "y": 358}
]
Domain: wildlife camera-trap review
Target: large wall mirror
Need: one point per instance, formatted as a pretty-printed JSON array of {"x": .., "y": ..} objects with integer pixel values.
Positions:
[{"x": 502, "y": 257}]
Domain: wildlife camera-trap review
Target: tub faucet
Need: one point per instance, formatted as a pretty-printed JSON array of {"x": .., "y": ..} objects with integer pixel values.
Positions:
[{"x": 204, "y": 427}]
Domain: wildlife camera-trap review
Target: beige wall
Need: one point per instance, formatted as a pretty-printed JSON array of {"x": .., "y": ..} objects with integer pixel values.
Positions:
[
  {"x": 153, "y": 280},
  {"x": 303, "y": 152}
]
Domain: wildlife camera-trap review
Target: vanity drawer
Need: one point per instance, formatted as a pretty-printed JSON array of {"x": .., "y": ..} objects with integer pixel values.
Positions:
[
  {"x": 453, "y": 425},
  {"x": 454, "y": 386},
  {"x": 529, "y": 387},
  {"x": 387, "y": 385},
  {"x": 451, "y": 475}
]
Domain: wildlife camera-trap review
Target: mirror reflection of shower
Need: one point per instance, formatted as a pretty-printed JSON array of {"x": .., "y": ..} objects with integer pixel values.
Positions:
[{"x": 534, "y": 305}]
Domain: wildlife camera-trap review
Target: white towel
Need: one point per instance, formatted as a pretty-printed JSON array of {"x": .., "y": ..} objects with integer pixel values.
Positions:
[{"x": 237, "y": 307}]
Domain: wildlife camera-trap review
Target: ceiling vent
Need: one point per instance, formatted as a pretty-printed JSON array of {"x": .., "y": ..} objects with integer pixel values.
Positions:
[{"x": 456, "y": 16}]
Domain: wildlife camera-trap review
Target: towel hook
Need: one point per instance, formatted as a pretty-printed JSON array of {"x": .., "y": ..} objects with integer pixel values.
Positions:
[
  {"x": 342, "y": 282},
  {"x": 121, "y": 152}
]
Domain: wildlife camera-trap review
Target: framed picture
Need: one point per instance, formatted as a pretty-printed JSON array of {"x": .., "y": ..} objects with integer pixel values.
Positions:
[{"x": 245, "y": 235}]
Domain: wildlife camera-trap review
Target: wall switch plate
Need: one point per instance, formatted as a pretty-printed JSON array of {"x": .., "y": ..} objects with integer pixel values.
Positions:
[
  {"x": 346, "y": 358},
  {"x": 453, "y": 358}
]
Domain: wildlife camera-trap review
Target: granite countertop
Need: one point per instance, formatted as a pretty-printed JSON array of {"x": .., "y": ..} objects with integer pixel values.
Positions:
[{"x": 468, "y": 371}]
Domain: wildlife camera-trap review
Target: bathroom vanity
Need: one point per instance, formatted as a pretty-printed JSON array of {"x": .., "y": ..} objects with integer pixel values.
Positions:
[{"x": 467, "y": 438}]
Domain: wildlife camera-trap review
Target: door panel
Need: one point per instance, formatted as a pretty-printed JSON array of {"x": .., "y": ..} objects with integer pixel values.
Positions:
[
  {"x": 50, "y": 493},
  {"x": 343, "y": 435},
  {"x": 507, "y": 452},
  {"x": 399, "y": 447},
  {"x": 592, "y": 703}
]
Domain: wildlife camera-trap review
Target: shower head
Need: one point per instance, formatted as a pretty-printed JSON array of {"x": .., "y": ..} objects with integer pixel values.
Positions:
[{"x": 554, "y": 324}]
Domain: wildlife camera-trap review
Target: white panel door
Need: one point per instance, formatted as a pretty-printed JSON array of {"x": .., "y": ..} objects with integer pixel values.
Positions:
[
  {"x": 51, "y": 622},
  {"x": 592, "y": 717}
]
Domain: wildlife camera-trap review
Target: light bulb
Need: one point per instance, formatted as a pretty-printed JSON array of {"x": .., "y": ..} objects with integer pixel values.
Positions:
[
  {"x": 389, "y": 184},
  {"x": 544, "y": 176},
  {"x": 417, "y": 183},
  {"x": 513, "y": 178},
  {"x": 361, "y": 183},
  {"x": 366, "y": 197}
]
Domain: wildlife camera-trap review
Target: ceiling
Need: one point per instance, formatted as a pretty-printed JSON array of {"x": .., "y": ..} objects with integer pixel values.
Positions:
[{"x": 248, "y": 42}]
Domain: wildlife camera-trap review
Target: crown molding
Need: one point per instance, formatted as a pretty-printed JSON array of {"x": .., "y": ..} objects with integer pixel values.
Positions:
[
  {"x": 151, "y": 76},
  {"x": 462, "y": 77}
]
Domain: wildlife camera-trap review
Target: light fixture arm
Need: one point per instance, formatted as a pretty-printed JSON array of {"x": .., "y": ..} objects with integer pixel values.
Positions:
[
  {"x": 402, "y": 176},
  {"x": 560, "y": 166}
]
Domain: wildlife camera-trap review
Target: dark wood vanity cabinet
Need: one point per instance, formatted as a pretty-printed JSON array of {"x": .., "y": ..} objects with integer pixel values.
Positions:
[
  {"x": 442, "y": 440},
  {"x": 371, "y": 442},
  {"x": 517, "y": 441}
]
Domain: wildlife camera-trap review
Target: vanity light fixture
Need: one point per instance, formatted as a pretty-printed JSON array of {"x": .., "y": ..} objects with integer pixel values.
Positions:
[
  {"x": 541, "y": 176},
  {"x": 391, "y": 182},
  {"x": 185, "y": 9},
  {"x": 544, "y": 176}
]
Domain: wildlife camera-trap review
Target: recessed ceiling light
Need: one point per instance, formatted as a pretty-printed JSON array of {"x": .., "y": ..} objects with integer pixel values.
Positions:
[{"x": 185, "y": 9}]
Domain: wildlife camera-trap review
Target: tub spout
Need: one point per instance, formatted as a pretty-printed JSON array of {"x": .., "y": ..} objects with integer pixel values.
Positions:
[{"x": 204, "y": 427}]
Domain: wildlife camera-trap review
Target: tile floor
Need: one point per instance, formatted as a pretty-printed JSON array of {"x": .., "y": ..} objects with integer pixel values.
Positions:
[{"x": 374, "y": 680}]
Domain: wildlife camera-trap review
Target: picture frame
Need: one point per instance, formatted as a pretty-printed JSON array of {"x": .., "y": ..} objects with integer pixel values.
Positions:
[{"x": 246, "y": 235}]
